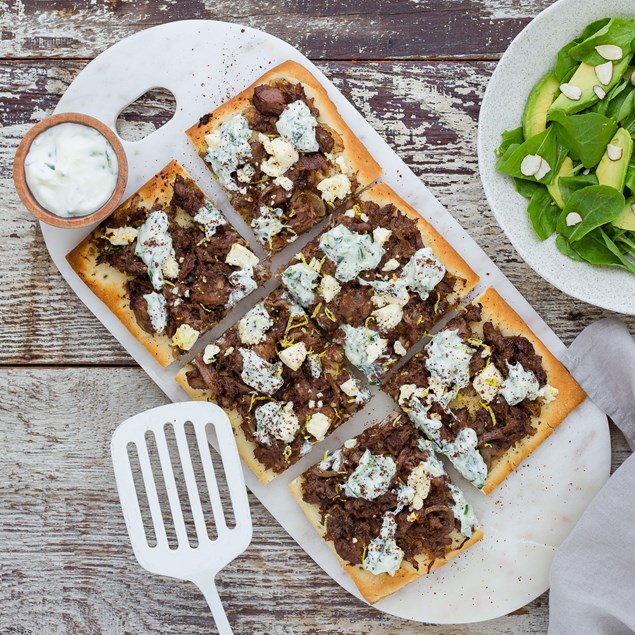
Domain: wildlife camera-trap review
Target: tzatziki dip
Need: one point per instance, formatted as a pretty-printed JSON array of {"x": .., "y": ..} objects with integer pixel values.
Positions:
[{"x": 71, "y": 169}]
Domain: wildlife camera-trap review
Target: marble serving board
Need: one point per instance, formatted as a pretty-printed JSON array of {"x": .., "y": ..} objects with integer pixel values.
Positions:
[{"x": 204, "y": 63}]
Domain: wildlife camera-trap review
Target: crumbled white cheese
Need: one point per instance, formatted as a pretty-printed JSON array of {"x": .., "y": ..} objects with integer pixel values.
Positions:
[
  {"x": 246, "y": 173},
  {"x": 120, "y": 235},
  {"x": 350, "y": 251},
  {"x": 383, "y": 555},
  {"x": 391, "y": 265},
  {"x": 242, "y": 258},
  {"x": 335, "y": 187},
  {"x": 381, "y": 235},
  {"x": 284, "y": 182},
  {"x": 331, "y": 461},
  {"x": 315, "y": 365},
  {"x": 170, "y": 267},
  {"x": 350, "y": 443},
  {"x": 253, "y": 326},
  {"x": 350, "y": 213},
  {"x": 157, "y": 311},
  {"x": 259, "y": 374},
  {"x": 210, "y": 352},
  {"x": 210, "y": 218},
  {"x": 372, "y": 476},
  {"x": 388, "y": 317},
  {"x": 300, "y": 281},
  {"x": 297, "y": 124},
  {"x": 487, "y": 382},
  {"x": 227, "y": 148},
  {"x": 276, "y": 419},
  {"x": 329, "y": 288},
  {"x": 185, "y": 337},
  {"x": 282, "y": 155},
  {"x": 318, "y": 425},
  {"x": 293, "y": 356},
  {"x": 419, "y": 481},
  {"x": 399, "y": 348}
]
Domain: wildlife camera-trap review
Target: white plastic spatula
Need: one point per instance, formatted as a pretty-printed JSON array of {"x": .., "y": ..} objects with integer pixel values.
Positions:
[{"x": 200, "y": 563}]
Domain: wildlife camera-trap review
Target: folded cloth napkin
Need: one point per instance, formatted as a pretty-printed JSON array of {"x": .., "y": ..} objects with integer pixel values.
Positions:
[{"x": 593, "y": 574}]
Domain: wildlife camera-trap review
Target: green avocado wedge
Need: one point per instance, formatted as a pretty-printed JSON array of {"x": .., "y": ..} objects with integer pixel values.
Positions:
[
  {"x": 539, "y": 101},
  {"x": 626, "y": 220},
  {"x": 612, "y": 172},
  {"x": 566, "y": 170}
]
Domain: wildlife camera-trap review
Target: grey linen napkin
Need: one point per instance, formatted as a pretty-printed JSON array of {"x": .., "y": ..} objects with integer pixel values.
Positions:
[{"x": 593, "y": 574}]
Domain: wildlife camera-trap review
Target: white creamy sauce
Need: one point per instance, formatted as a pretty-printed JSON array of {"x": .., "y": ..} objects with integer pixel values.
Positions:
[
  {"x": 157, "y": 311},
  {"x": 372, "y": 476},
  {"x": 363, "y": 347},
  {"x": 71, "y": 169},
  {"x": 383, "y": 554},
  {"x": 297, "y": 124},
  {"x": 154, "y": 247},
  {"x": 300, "y": 280},
  {"x": 276, "y": 419},
  {"x": 466, "y": 458},
  {"x": 423, "y": 272},
  {"x": 350, "y": 251},
  {"x": 210, "y": 218},
  {"x": 227, "y": 148},
  {"x": 306, "y": 447},
  {"x": 448, "y": 361},
  {"x": 463, "y": 511},
  {"x": 315, "y": 365},
  {"x": 259, "y": 373},
  {"x": 242, "y": 285},
  {"x": 331, "y": 461},
  {"x": 411, "y": 397},
  {"x": 268, "y": 224},
  {"x": 520, "y": 384},
  {"x": 252, "y": 328}
]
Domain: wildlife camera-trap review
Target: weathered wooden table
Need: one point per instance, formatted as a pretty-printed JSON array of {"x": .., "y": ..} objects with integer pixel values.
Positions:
[{"x": 417, "y": 70}]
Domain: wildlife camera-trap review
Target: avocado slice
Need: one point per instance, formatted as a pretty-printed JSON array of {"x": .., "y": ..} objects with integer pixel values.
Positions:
[
  {"x": 566, "y": 169},
  {"x": 539, "y": 101},
  {"x": 585, "y": 79},
  {"x": 626, "y": 220},
  {"x": 613, "y": 173}
]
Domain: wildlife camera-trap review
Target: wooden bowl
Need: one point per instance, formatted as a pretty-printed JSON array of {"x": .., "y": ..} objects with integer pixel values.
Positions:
[{"x": 31, "y": 203}]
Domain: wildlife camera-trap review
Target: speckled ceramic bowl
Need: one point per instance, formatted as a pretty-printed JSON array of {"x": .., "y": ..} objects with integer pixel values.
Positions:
[{"x": 530, "y": 56}]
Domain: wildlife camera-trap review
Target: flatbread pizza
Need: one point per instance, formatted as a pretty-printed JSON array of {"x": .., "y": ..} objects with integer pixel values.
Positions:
[
  {"x": 168, "y": 264},
  {"x": 283, "y": 153},
  {"x": 283, "y": 384},
  {"x": 377, "y": 279},
  {"x": 486, "y": 391},
  {"x": 386, "y": 507}
]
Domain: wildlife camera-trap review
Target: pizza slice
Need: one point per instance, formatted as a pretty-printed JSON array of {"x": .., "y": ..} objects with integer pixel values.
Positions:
[
  {"x": 283, "y": 385},
  {"x": 283, "y": 153},
  {"x": 377, "y": 279},
  {"x": 486, "y": 391},
  {"x": 386, "y": 507},
  {"x": 168, "y": 264}
]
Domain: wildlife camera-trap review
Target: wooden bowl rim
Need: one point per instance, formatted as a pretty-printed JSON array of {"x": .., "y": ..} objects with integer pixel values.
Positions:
[{"x": 25, "y": 194}]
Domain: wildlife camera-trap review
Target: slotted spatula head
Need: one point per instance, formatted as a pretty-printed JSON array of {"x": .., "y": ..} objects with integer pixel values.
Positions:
[{"x": 202, "y": 562}]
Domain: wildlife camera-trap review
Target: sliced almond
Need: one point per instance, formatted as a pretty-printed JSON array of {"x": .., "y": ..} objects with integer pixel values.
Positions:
[
  {"x": 610, "y": 52},
  {"x": 573, "y": 218},
  {"x": 543, "y": 170},
  {"x": 572, "y": 92},
  {"x": 586, "y": 171},
  {"x": 531, "y": 164},
  {"x": 600, "y": 92},
  {"x": 614, "y": 152},
  {"x": 604, "y": 73}
]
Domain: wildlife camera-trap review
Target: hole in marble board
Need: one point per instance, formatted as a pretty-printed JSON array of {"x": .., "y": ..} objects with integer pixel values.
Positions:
[{"x": 146, "y": 114}]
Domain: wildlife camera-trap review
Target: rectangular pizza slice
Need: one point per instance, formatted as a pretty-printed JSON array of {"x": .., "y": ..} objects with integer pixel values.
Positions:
[
  {"x": 283, "y": 385},
  {"x": 386, "y": 507},
  {"x": 168, "y": 264},
  {"x": 486, "y": 391},
  {"x": 283, "y": 153},
  {"x": 377, "y": 279}
]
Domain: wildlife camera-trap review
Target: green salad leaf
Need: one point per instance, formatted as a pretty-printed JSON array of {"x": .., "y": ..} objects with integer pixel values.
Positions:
[
  {"x": 570, "y": 184},
  {"x": 617, "y": 31},
  {"x": 543, "y": 212}
]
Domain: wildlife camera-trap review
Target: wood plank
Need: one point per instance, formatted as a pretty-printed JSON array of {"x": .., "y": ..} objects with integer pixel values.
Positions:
[
  {"x": 321, "y": 29},
  {"x": 426, "y": 111},
  {"x": 67, "y": 566}
]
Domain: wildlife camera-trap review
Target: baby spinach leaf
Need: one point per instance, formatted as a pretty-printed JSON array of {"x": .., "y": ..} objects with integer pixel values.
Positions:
[
  {"x": 570, "y": 184},
  {"x": 526, "y": 188},
  {"x": 585, "y": 135},
  {"x": 510, "y": 137},
  {"x": 565, "y": 64},
  {"x": 603, "y": 105},
  {"x": 564, "y": 247},
  {"x": 543, "y": 144},
  {"x": 622, "y": 105},
  {"x": 596, "y": 204},
  {"x": 543, "y": 213},
  {"x": 596, "y": 248},
  {"x": 618, "y": 31}
]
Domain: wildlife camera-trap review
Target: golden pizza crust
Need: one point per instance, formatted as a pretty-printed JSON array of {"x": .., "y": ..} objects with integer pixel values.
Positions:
[
  {"x": 383, "y": 194},
  {"x": 376, "y": 587},
  {"x": 355, "y": 153},
  {"x": 569, "y": 397},
  {"x": 246, "y": 447}
]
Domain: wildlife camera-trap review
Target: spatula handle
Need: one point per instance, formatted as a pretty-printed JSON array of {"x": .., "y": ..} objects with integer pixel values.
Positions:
[{"x": 208, "y": 588}]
